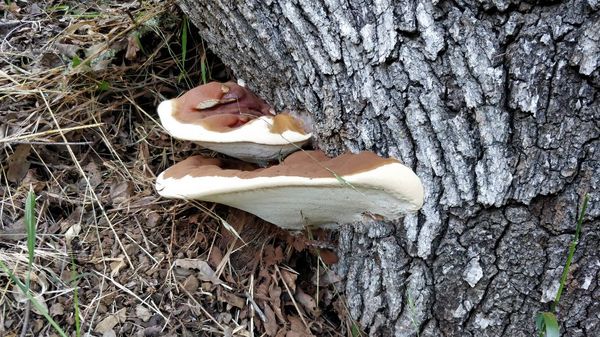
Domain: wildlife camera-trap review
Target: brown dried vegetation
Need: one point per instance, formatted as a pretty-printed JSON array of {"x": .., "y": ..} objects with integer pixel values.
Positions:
[{"x": 79, "y": 83}]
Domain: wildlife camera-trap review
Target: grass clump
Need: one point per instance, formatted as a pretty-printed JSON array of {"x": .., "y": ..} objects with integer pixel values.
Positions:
[{"x": 25, "y": 288}]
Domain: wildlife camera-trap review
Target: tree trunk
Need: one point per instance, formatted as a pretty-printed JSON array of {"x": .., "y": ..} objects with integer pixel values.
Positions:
[{"x": 495, "y": 105}]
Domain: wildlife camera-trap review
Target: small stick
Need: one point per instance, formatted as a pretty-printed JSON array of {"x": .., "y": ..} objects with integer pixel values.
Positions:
[
  {"x": 256, "y": 308},
  {"x": 291, "y": 296},
  {"x": 26, "y": 319}
]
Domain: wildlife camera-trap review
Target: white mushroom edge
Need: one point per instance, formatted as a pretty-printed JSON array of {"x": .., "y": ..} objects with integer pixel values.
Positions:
[
  {"x": 255, "y": 131},
  {"x": 253, "y": 141},
  {"x": 292, "y": 202}
]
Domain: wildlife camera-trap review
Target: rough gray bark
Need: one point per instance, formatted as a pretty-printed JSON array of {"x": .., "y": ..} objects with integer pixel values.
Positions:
[{"x": 494, "y": 103}]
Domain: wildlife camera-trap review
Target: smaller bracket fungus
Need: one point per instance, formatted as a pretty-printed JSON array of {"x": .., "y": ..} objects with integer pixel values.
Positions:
[
  {"x": 307, "y": 189},
  {"x": 228, "y": 118}
]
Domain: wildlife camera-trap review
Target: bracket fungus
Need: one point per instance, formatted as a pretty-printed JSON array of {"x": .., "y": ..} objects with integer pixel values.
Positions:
[
  {"x": 230, "y": 119},
  {"x": 306, "y": 189}
]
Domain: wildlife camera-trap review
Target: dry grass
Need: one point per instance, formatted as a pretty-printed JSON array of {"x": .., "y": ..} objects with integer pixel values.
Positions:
[{"x": 79, "y": 84}]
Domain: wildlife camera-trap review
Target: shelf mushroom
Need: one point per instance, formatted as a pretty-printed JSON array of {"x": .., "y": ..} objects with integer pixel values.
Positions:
[
  {"x": 306, "y": 189},
  {"x": 228, "y": 118}
]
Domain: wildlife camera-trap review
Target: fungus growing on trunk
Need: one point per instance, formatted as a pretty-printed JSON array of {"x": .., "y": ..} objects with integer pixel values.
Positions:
[
  {"x": 229, "y": 119},
  {"x": 306, "y": 189}
]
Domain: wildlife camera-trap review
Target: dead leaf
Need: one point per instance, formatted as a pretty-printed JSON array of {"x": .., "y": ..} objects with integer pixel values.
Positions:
[
  {"x": 14, "y": 231},
  {"x": 18, "y": 163},
  {"x": 152, "y": 219},
  {"x": 68, "y": 275},
  {"x": 272, "y": 255},
  {"x": 21, "y": 297},
  {"x": 110, "y": 333},
  {"x": 297, "y": 241},
  {"x": 215, "y": 257},
  {"x": 101, "y": 54},
  {"x": 191, "y": 284},
  {"x": 326, "y": 278},
  {"x": 289, "y": 278},
  {"x": 57, "y": 309},
  {"x": 205, "y": 272},
  {"x": 116, "y": 266},
  {"x": 282, "y": 332},
  {"x": 110, "y": 321},
  {"x": 147, "y": 202},
  {"x": 31, "y": 180},
  {"x": 231, "y": 299},
  {"x": 67, "y": 50},
  {"x": 275, "y": 296},
  {"x": 262, "y": 289},
  {"x": 120, "y": 192},
  {"x": 329, "y": 257},
  {"x": 72, "y": 232},
  {"x": 152, "y": 331},
  {"x": 93, "y": 174},
  {"x": 142, "y": 313},
  {"x": 37, "y": 326},
  {"x": 132, "y": 47},
  {"x": 13, "y": 7},
  {"x": 271, "y": 326},
  {"x": 49, "y": 60},
  {"x": 307, "y": 301},
  {"x": 297, "y": 328},
  {"x": 35, "y": 9},
  {"x": 224, "y": 317}
]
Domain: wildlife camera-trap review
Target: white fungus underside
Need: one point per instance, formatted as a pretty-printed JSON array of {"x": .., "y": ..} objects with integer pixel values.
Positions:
[
  {"x": 252, "y": 152},
  {"x": 292, "y": 203}
]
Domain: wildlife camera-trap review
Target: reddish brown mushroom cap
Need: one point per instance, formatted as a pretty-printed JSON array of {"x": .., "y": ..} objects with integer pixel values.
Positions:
[
  {"x": 228, "y": 118},
  {"x": 225, "y": 105}
]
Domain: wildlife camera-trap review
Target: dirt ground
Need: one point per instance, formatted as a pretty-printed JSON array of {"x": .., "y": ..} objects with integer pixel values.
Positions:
[{"x": 79, "y": 86}]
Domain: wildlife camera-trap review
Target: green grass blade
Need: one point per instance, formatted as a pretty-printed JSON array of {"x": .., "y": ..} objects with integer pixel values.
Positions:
[
  {"x": 138, "y": 41},
  {"x": 35, "y": 303},
  {"x": 30, "y": 222},
  {"x": 547, "y": 324},
  {"x": 203, "y": 69},
  {"x": 184, "y": 32},
  {"x": 565, "y": 273}
]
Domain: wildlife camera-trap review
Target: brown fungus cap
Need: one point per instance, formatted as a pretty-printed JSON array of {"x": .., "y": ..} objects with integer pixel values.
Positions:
[
  {"x": 228, "y": 118},
  {"x": 308, "y": 164},
  {"x": 229, "y": 103}
]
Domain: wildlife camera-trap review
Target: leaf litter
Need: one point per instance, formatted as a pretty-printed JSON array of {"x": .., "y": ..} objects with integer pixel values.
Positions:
[{"x": 80, "y": 81}]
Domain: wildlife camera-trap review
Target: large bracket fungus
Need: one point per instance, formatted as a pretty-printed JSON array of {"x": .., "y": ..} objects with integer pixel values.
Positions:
[
  {"x": 306, "y": 189},
  {"x": 228, "y": 118}
]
